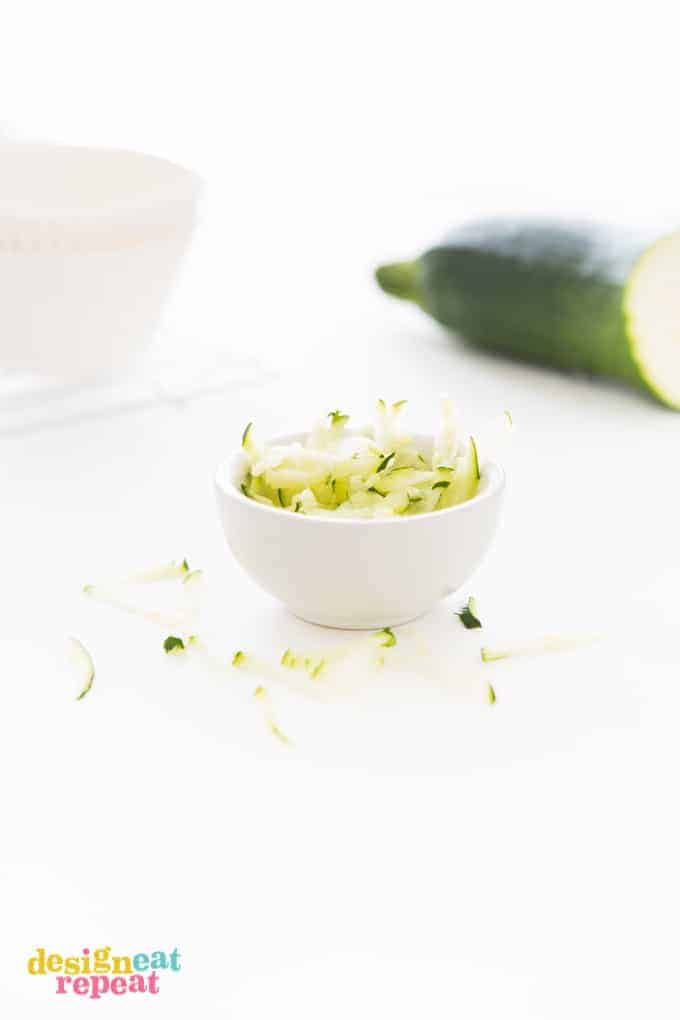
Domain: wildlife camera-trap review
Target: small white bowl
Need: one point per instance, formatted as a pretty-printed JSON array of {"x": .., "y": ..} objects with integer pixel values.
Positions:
[
  {"x": 358, "y": 574},
  {"x": 90, "y": 244}
]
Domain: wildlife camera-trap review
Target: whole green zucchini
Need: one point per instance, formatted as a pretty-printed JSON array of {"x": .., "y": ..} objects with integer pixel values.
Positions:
[{"x": 576, "y": 298}]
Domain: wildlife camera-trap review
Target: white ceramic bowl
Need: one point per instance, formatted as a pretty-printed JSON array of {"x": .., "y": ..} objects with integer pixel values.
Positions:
[
  {"x": 358, "y": 574},
  {"x": 90, "y": 243}
]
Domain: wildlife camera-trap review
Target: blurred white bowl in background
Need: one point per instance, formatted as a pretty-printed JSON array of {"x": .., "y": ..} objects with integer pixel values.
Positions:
[{"x": 90, "y": 244}]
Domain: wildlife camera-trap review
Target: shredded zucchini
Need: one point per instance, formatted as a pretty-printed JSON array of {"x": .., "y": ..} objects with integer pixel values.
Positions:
[
  {"x": 312, "y": 664},
  {"x": 161, "y": 572},
  {"x": 385, "y": 461},
  {"x": 84, "y": 665},
  {"x": 110, "y": 598},
  {"x": 165, "y": 572},
  {"x": 468, "y": 615},
  {"x": 193, "y": 577},
  {"x": 173, "y": 644},
  {"x": 373, "y": 472},
  {"x": 261, "y": 696},
  {"x": 388, "y": 637},
  {"x": 551, "y": 643},
  {"x": 110, "y": 594},
  {"x": 315, "y": 669}
]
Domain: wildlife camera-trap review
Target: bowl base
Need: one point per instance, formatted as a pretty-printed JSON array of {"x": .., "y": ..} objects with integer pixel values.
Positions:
[{"x": 340, "y": 623}]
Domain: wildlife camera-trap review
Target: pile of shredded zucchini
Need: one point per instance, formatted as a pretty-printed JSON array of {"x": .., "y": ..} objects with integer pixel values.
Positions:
[
  {"x": 313, "y": 665},
  {"x": 376, "y": 471}
]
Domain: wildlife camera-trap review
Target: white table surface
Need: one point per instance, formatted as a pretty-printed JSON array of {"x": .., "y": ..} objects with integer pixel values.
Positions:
[{"x": 415, "y": 852}]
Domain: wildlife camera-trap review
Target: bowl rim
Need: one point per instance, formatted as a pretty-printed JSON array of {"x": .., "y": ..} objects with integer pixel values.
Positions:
[
  {"x": 495, "y": 486},
  {"x": 185, "y": 187}
]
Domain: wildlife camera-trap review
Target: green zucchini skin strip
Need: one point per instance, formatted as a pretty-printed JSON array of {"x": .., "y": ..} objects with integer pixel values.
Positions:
[{"x": 545, "y": 292}]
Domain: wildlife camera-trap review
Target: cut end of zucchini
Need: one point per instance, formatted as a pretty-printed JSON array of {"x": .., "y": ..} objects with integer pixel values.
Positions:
[
  {"x": 652, "y": 306},
  {"x": 402, "y": 280}
]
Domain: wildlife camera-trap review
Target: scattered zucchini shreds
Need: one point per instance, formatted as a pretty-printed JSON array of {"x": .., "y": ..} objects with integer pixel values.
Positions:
[
  {"x": 162, "y": 572},
  {"x": 441, "y": 485},
  {"x": 421, "y": 459},
  {"x": 389, "y": 637},
  {"x": 238, "y": 658},
  {"x": 165, "y": 572},
  {"x": 107, "y": 598},
  {"x": 276, "y": 732},
  {"x": 279, "y": 493},
  {"x": 193, "y": 639},
  {"x": 508, "y": 417},
  {"x": 337, "y": 417},
  {"x": 399, "y": 404},
  {"x": 468, "y": 615},
  {"x": 381, "y": 404},
  {"x": 192, "y": 577},
  {"x": 490, "y": 694},
  {"x": 84, "y": 664},
  {"x": 246, "y": 433},
  {"x": 385, "y": 461},
  {"x": 173, "y": 644},
  {"x": 261, "y": 695},
  {"x": 378, "y": 492},
  {"x": 312, "y": 665},
  {"x": 551, "y": 643},
  {"x": 488, "y": 655}
]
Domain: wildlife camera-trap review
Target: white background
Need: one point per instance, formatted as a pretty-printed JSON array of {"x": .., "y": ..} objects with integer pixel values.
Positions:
[{"x": 415, "y": 853}]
